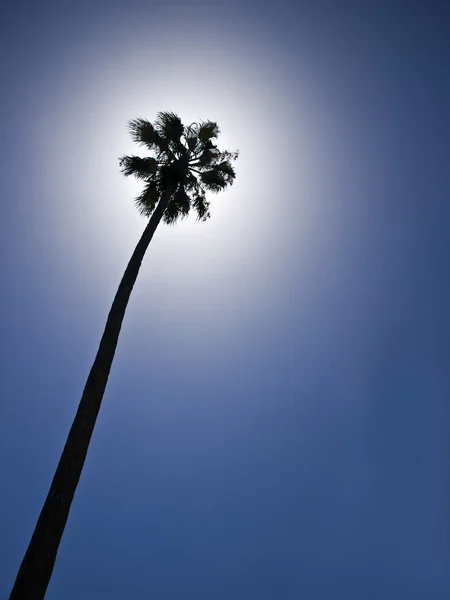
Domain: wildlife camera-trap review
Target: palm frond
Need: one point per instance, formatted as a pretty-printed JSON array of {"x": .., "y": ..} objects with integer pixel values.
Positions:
[
  {"x": 144, "y": 133},
  {"x": 209, "y": 156},
  {"x": 148, "y": 199},
  {"x": 214, "y": 180},
  {"x": 169, "y": 126},
  {"x": 229, "y": 156},
  {"x": 191, "y": 139},
  {"x": 142, "y": 168},
  {"x": 201, "y": 206},
  {"x": 227, "y": 169},
  {"x": 208, "y": 130},
  {"x": 178, "y": 207},
  {"x": 191, "y": 182}
]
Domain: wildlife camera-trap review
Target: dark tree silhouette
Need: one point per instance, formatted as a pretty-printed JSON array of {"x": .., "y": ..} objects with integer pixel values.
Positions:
[{"x": 186, "y": 163}]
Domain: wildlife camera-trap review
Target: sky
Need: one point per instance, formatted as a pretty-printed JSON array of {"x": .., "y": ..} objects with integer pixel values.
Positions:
[{"x": 277, "y": 421}]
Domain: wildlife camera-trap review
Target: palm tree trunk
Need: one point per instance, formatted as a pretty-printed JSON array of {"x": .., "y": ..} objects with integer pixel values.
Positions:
[{"x": 36, "y": 569}]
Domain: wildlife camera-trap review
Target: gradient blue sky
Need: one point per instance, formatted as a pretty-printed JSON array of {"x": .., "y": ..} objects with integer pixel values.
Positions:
[{"x": 276, "y": 424}]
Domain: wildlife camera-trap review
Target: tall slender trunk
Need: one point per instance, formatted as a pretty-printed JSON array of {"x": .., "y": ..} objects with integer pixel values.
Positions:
[{"x": 36, "y": 569}]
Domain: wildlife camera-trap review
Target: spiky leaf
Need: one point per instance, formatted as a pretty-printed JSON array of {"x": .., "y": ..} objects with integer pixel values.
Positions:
[
  {"x": 208, "y": 130},
  {"x": 169, "y": 126},
  {"x": 214, "y": 180},
  {"x": 178, "y": 207},
  {"x": 148, "y": 199},
  {"x": 144, "y": 133},
  {"x": 142, "y": 168}
]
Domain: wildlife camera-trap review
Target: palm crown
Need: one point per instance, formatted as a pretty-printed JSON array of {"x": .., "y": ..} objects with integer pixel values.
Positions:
[{"x": 187, "y": 164}]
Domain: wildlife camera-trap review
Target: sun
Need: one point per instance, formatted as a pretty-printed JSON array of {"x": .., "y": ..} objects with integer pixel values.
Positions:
[{"x": 94, "y": 223}]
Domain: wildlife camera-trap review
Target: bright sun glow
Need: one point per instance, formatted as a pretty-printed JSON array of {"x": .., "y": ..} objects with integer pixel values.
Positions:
[{"x": 93, "y": 217}]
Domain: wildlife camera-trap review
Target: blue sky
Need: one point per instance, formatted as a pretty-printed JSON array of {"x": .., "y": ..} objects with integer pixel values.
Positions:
[{"x": 276, "y": 423}]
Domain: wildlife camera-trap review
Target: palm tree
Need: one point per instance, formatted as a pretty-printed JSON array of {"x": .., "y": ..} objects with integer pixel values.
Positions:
[{"x": 186, "y": 164}]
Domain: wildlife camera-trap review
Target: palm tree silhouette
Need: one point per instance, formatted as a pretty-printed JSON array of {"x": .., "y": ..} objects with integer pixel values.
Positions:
[{"x": 186, "y": 164}]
